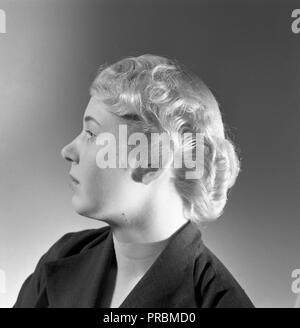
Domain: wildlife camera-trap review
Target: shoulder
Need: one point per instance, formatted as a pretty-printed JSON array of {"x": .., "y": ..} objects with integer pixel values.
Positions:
[
  {"x": 76, "y": 242},
  {"x": 215, "y": 285},
  {"x": 207, "y": 262},
  {"x": 32, "y": 292}
]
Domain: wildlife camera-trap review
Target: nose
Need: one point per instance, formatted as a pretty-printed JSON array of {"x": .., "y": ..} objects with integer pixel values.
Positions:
[{"x": 70, "y": 152}]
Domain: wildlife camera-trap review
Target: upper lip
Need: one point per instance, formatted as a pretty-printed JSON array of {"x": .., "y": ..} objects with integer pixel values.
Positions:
[{"x": 73, "y": 178}]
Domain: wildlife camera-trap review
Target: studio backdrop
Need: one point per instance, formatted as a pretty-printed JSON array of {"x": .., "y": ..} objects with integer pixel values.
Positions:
[{"x": 248, "y": 54}]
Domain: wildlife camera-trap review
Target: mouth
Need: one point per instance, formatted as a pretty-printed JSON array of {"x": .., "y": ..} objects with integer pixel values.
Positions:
[
  {"x": 74, "y": 183},
  {"x": 74, "y": 180}
]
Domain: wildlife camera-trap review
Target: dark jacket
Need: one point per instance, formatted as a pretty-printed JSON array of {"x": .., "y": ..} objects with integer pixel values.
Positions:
[{"x": 186, "y": 274}]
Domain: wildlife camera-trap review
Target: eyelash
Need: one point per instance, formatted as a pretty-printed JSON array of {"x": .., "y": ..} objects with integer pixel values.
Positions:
[{"x": 91, "y": 135}]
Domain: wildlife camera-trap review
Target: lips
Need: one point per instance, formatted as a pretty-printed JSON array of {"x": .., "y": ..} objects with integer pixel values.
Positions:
[{"x": 73, "y": 179}]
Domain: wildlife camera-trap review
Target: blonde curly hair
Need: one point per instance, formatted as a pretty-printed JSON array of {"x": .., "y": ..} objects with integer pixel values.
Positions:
[{"x": 159, "y": 94}]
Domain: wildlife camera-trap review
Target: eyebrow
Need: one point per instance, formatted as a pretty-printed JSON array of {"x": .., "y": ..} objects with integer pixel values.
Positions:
[
  {"x": 131, "y": 117},
  {"x": 90, "y": 118}
]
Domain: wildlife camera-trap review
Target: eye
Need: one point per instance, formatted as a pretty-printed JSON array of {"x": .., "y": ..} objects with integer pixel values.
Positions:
[{"x": 91, "y": 135}]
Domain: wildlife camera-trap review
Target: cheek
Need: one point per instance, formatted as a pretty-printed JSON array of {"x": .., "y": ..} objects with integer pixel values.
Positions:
[
  {"x": 93, "y": 177},
  {"x": 103, "y": 185}
]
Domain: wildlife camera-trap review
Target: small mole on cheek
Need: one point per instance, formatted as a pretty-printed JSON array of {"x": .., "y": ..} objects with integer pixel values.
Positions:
[{"x": 123, "y": 214}]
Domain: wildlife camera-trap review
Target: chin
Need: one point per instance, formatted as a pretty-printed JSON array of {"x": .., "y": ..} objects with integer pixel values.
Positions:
[
  {"x": 84, "y": 208},
  {"x": 80, "y": 206}
]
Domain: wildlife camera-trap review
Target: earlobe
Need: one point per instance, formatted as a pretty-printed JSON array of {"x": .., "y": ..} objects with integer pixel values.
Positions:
[
  {"x": 149, "y": 177},
  {"x": 144, "y": 175}
]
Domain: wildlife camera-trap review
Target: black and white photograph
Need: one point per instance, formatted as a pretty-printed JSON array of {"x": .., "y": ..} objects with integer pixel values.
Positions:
[{"x": 149, "y": 154}]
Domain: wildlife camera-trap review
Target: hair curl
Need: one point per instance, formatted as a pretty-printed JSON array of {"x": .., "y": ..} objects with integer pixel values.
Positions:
[{"x": 165, "y": 96}]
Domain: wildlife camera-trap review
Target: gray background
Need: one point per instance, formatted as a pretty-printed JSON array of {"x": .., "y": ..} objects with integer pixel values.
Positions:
[{"x": 244, "y": 50}]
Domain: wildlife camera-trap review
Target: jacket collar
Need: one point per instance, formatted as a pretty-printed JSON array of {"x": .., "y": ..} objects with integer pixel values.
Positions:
[{"x": 76, "y": 281}]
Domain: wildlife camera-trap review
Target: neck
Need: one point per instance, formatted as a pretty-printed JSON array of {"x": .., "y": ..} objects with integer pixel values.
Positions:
[
  {"x": 134, "y": 258},
  {"x": 155, "y": 220}
]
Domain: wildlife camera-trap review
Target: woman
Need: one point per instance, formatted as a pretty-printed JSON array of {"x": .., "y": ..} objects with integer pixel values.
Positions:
[{"x": 151, "y": 253}]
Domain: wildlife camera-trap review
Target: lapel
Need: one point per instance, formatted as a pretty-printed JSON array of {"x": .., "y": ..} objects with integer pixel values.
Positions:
[{"x": 76, "y": 281}]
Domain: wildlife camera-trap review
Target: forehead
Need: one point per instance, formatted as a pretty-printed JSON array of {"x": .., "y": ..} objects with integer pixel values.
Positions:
[{"x": 100, "y": 112}]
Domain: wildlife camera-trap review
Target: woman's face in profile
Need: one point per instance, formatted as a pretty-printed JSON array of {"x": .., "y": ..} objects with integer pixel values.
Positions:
[{"x": 99, "y": 192}]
